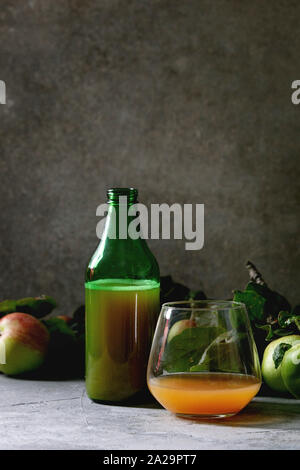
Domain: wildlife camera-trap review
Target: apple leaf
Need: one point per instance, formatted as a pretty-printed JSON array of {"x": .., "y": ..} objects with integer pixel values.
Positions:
[
  {"x": 263, "y": 304},
  {"x": 36, "y": 306},
  {"x": 7, "y": 306},
  {"x": 254, "y": 302},
  {"x": 268, "y": 310},
  {"x": 186, "y": 349},
  {"x": 287, "y": 319},
  {"x": 171, "y": 291},
  {"x": 223, "y": 354},
  {"x": 58, "y": 326},
  {"x": 268, "y": 329}
]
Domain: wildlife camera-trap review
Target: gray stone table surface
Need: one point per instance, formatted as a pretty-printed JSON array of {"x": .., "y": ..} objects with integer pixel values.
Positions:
[{"x": 59, "y": 415}]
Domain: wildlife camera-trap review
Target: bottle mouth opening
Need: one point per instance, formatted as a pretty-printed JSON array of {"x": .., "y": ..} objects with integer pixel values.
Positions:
[{"x": 113, "y": 194}]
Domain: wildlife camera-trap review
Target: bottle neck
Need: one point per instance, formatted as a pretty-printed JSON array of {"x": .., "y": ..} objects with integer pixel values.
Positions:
[
  {"x": 119, "y": 254},
  {"x": 119, "y": 202}
]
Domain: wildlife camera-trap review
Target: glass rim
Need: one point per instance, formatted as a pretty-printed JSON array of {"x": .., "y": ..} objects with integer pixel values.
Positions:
[{"x": 199, "y": 305}]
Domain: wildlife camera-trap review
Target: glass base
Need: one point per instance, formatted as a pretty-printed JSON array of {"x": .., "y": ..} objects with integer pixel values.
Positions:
[
  {"x": 138, "y": 398},
  {"x": 204, "y": 417}
]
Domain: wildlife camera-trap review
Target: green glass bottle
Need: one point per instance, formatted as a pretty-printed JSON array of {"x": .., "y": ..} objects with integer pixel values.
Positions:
[{"x": 122, "y": 306}]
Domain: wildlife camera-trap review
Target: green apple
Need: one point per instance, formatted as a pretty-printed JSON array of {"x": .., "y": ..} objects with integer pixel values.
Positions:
[
  {"x": 272, "y": 375},
  {"x": 290, "y": 370},
  {"x": 23, "y": 343},
  {"x": 179, "y": 327}
]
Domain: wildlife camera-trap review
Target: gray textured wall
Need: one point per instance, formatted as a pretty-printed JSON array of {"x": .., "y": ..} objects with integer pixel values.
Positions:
[{"x": 187, "y": 101}]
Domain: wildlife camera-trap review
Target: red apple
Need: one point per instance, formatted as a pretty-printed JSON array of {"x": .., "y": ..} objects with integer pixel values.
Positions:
[
  {"x": 23, "y": 343},
  {"x": 179, "y": 327}
]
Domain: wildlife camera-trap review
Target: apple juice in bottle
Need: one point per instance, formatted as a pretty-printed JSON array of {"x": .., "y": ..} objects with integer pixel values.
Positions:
[{"x": 122, "y": 306}]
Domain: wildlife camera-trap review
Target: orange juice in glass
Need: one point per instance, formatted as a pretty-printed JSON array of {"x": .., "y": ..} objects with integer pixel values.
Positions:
[{"x": 203, "y": 362}]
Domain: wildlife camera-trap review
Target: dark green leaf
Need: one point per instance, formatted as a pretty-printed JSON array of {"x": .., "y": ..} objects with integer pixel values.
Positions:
[
  {"x": 289, "y": 320},
  {"x": 284, "y": 319},
  {"x": 277, "y": 303},
  {"x": 186, "y": 349},
  {"x": 254, "y": 302},
  {"x": 7, "y": 306},
  {"x": 36, "y": 306},
  {"x": 57, "y": 326},
  {"x": 268, "y": 329},
  {"x": 222, "y": 354},
  {"x": 297, "y": 321},
  {"x": 197, "y": 295},
  {"x": 262, "y": 290},
  {"x": 280, "y": 332},
  {"x": 171, "y": 291}
]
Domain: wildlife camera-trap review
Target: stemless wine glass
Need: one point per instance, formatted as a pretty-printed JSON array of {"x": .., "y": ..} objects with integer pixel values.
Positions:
[{"x": 203, "y": 361}]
